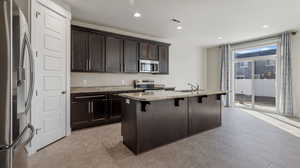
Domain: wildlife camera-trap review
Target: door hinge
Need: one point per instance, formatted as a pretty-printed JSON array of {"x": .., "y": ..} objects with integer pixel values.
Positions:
[
  {"x": 36, "y": 93},
  {"x": 36, "y": 54},
  {"x": 37, "y": 14}
]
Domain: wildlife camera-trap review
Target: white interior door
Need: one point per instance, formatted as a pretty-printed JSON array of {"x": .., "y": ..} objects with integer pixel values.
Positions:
[{"x": 50, "y": 107}]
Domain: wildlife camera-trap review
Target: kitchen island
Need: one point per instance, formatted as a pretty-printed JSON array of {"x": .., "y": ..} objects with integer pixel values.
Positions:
[{"x": 152, "y": 119}]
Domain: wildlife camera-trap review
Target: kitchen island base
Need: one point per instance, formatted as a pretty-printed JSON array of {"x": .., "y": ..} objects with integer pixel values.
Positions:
[{"x": 150, "y": 124}]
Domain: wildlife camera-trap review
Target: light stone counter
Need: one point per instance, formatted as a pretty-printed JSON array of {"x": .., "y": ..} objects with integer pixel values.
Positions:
[
  {"x": 103, "y": 89},
  {"x": 163, "y": 95}
]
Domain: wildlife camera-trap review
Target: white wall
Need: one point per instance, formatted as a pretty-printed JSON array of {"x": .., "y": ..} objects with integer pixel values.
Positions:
[
  {"x": 187, "y": 64},
  {"x": 296, "y": 71},
  {"x": 213, "y": 68}
]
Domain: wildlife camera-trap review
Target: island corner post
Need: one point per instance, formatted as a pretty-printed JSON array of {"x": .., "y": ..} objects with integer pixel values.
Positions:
[{"x": 150, "y": 124}]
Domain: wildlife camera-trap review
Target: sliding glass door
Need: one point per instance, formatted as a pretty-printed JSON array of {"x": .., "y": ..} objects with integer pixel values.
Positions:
[
  {"x": 243, "y": 94},
  {"x": 255, "y": 78}
]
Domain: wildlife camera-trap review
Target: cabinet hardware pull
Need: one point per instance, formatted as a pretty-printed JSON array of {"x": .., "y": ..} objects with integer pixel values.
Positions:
[
  {"x": 176, "y": 101},
  {"x": 143, "y": 105},
  {"x": 200, "y": 98}
]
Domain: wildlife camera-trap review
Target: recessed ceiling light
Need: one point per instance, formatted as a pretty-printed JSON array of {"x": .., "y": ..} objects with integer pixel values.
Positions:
[
  {"x": 265, "y": 26},
  {"x": 179, "y": 27},
  {"x": 137, "y": 15},
  {"x": 220, "y": 38}
]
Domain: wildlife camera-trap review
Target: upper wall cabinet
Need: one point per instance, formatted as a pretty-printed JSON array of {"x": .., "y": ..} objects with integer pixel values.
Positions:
[
  {"x": 98, "y": 51},
  {"x": 80, "y": 51},
  {"x": 131, "y": 56},
  {"x": 148, "y": 51},
  {"x": 114, "y": 54},
  {"x": 163, "y": 54},
  {"x": 88, "y": 51}
]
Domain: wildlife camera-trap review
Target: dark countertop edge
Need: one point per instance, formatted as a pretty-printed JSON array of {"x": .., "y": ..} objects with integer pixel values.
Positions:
[{"x": 171, "y": 97}]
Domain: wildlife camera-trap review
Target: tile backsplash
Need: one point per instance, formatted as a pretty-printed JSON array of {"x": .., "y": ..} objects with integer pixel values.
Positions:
[{"x": 114, "y": 79}]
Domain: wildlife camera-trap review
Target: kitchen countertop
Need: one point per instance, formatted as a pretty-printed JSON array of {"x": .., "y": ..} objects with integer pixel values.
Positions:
[
  {"x": 163, "y": 95},
  {"x": 99, "y": 89}
]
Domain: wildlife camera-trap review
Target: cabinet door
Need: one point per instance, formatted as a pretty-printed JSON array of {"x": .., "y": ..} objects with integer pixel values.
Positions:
[
  {"x": 114, "y": 54},
  {"x": 96, "y": 53},
  {"x": 116, "y": 106},
  {"x": 163, "y": 52},
  {"x": 130, "y": 56},
  {"x": 80, "y": 113},
  {"x": 162, "y": 123},
  {"x": 153, "y": 52},
  {"x": 99, "y": 108},
  {"x": 144, "y": 47},
  {"x": 204, "y": 114},
  {"x": 80, "y": 51}
]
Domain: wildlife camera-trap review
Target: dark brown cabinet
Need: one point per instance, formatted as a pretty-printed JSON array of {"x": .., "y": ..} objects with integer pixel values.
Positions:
[
  {"x": 163, "y": 54},
  {"x": 80, "y": 112},
  {"x": 96, "y": 53},
  {"x": 87, "y": 52},
  {"x": 88, "y": 110},
  {"x": 114, "y": 54},
  {"x": 80, "y": 51},
  {"x": 204, "y": 113},
  {"x": 144, "y": 51},
  {"x": 99, "y": 109},
  {"x": 148, "y": 51},
  {"x": 92, "y": 109},
  {"x": 153, "y": 52},
  {"x": 99, "y": 51},
  {"x": 131, "y": 52},
  {"x": 167, "y": 119},
  {"x": 116, "y": 106}
]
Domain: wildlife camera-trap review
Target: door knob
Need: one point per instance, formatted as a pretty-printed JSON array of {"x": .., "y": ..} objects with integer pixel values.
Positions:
[{"x": 63, "y": 92}]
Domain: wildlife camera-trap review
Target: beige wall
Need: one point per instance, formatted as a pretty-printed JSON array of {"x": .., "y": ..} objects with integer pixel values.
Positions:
[
  {"x": 213, "y": 68},
  {"x": 214, "y": 61},
  {"x": 187, "y": 64}
]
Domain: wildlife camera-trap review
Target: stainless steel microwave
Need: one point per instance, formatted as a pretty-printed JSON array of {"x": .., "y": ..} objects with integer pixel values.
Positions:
[{"x": 149, "y": 66}]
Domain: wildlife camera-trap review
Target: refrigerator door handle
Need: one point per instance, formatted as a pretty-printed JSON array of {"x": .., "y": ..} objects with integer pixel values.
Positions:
[
  {"x": 20, "y": 139},
  {"x": 26, "y": 44}
]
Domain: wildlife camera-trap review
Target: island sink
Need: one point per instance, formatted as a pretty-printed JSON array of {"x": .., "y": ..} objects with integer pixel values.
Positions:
[{"x": 152, "y": 120}]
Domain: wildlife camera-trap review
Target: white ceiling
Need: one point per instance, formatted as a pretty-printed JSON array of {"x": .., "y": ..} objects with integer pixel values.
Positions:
[{"x": 203, "y": 21}]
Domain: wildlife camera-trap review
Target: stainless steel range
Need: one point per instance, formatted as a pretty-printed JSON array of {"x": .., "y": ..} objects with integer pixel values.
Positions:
[{"x": 147, "y": 85}]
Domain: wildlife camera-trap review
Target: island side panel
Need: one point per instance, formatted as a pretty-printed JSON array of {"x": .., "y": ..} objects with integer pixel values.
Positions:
[
  {"x": 129, "y": 124},
  {"x": 204, "y": 113},
  {"x": 162, "y": 123}
]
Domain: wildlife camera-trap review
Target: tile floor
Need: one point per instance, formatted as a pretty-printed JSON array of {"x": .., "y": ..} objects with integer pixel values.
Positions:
[{"x": 243, "y": 141}]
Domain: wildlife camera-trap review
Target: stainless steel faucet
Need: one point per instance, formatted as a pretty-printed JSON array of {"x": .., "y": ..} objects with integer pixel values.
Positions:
[{"x": 194, "y": 87}]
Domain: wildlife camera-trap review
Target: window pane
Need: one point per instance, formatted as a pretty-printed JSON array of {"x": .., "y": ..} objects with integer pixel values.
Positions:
[{"x": 263, "y": 51}]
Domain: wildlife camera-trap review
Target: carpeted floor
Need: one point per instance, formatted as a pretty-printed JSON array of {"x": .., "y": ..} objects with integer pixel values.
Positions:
[{"x": 243, "y": 141}]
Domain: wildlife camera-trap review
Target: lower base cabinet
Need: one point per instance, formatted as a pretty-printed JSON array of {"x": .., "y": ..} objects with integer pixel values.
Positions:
[
  {"x": 162, "y": 123},
  {"x": 80, "y": 115},
  {"x": 92, "y": 109},
  {"x": 146, "y": 125},
  {"x": 204, "y": 113}
]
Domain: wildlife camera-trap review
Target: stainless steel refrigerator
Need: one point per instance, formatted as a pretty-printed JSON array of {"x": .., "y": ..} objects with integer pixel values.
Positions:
[{"x": 16, "y": 86}]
